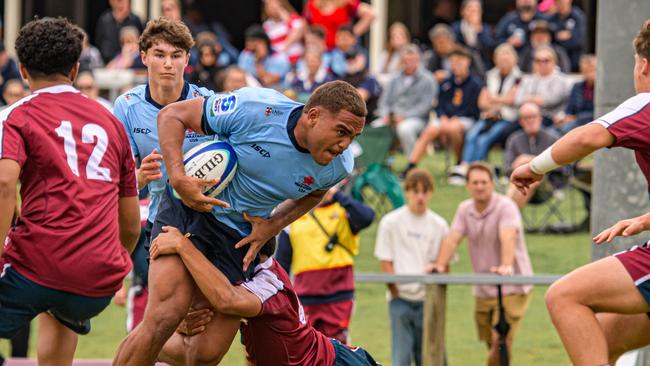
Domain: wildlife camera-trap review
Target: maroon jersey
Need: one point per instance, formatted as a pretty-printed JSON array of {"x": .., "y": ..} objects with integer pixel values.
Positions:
[
  {"x": 280, "y": 334},
  {"x": 75, "y": 163},
  {"x": 630, "y": 125}
]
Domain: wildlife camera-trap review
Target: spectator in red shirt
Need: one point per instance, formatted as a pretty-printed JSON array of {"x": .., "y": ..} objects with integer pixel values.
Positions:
[{"x": 333, "y": 14}]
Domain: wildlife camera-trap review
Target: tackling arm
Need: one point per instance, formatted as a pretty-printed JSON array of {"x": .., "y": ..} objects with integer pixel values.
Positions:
[{"x": 222, "y": 295}]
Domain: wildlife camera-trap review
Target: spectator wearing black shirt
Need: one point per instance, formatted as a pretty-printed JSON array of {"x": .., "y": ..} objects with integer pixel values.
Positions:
[
  {"x": 107, "y": 34},
  {"x": 570, "y": 29},
  {"x": 473, "y": 33},
  {"x": 580, "y": 109},
  {"x": 514, "y": 26}
]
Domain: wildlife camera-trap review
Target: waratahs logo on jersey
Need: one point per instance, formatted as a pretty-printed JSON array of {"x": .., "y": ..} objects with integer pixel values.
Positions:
[{"x": 224, "y": 105}]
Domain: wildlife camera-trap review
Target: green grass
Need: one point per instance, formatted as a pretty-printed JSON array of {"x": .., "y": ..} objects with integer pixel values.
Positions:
[{"x": 535, "y": 344}]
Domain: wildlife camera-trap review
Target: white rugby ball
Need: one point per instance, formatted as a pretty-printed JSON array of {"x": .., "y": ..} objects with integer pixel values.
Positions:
[{"x": 211, "y": 160}]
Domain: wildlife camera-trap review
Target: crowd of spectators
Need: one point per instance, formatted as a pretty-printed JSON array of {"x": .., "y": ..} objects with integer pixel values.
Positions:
[{"x": 462, "y": 92}]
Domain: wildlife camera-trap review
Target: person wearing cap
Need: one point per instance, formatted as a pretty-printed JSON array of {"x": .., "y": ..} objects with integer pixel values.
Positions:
[
  {"x": 259, "y": 60},
  {"x": 541, "y": 34},
  {"x": 513, "y": 27}
]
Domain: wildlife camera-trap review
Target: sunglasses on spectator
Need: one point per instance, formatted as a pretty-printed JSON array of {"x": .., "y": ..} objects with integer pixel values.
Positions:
[
  {"x": 85, "y": 87},
  {"x": 543, "y": 60}
]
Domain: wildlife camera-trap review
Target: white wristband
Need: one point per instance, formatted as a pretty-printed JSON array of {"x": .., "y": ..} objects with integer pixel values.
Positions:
[{"x": 543, "y": 163}]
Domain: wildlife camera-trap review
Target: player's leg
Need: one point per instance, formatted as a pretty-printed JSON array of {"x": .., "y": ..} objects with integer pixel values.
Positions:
[
  {"x": 624, "y": 333},
  {"x": 173, "y": 352},
  {"x": 209, "y": 347},
  {"x": 170, "y": 292},
  {"x": 56, "y": 342},
  {"x": 601, "y": 286}
]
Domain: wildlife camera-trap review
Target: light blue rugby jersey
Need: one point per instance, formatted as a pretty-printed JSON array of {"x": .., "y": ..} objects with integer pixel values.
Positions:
[
  {"x": 139, "y": 112},
  {"x": 259, "y": 124}
]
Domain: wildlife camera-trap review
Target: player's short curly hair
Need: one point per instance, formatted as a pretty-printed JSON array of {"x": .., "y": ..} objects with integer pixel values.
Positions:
[
  {"x": 162, "y": 29},
  {"x": 49, "y": 46},
  {"x": 336, "y": 96},
  {"x": 642, "y": 41}
]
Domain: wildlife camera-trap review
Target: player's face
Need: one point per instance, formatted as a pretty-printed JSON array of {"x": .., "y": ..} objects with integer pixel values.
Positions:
[
  {"x": 417, "y": 199},
  {"x": 332, "y": 133},
  {"x": 165, "y": 63},
  {"x": 479, "y": 185}
]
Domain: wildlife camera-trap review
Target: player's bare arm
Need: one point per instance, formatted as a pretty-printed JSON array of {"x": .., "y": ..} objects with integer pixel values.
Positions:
[
  {"x": 9, "y": 173},
  {"x": 626, "y": 227},
  {"x": 223, "y": 296},
  {"x": 447, "y": 249},
  {"x": 173, "y": 120},
  {"x": 129, "y": 221},
  {"x": 573, "y": 146},
  {"x": 286, "y": 213}
]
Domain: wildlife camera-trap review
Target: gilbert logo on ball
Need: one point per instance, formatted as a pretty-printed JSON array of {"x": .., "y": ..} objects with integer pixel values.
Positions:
[{"x": 211, "y": 160}]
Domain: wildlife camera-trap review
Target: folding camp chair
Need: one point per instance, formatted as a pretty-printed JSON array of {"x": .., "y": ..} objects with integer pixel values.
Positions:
[
  {"x": 556, "y": 208},
  {"x": 373, "y": 181}
]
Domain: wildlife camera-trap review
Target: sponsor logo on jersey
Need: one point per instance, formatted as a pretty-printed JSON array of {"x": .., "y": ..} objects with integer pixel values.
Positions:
[
  {"x": 265, "y": 153},
  {"x": 224, "y": 105},
  {"x": 309, "y": 180},
  {"x": 270, "y": 111},
  {"x": 144, "y": 131},
  {"x": 305, "y": 185}
]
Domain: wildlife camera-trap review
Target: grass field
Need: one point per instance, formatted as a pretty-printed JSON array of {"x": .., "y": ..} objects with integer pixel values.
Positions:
[{"x": 535, "y": 344}]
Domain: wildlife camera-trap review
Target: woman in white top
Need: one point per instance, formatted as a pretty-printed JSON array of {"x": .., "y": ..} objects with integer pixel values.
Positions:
[
  {"x": 546, "y": 86},
  {"x": 389, "y": 58}
]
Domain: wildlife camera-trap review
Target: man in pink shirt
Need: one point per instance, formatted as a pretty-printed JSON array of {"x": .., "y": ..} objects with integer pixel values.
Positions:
[{"x": 492, "y": 225}]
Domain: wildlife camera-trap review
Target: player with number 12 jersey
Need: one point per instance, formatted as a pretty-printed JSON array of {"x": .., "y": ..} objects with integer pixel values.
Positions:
[{"x": 76, "y": 161}]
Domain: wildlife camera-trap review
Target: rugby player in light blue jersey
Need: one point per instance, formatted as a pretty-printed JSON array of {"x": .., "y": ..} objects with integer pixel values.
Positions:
[
  {"x": 164, "y": 48},
  {"x": 288, "y": 154}
]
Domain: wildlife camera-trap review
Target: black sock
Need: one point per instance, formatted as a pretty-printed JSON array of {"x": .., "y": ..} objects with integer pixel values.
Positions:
[{"x": 410, "y": 166}]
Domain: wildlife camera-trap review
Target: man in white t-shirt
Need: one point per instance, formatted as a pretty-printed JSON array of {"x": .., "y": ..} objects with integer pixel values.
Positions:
[{"x": 408, "y": 241}]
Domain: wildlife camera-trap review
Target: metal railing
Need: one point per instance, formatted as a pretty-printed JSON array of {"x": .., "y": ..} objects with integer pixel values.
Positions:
[{"x": 433, "y": 324}]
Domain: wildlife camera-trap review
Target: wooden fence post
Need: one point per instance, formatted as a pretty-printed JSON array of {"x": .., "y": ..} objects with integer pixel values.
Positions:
[{"x": 433, "y": 325}]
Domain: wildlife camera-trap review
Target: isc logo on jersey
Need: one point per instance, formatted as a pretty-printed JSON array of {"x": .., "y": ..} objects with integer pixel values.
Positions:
[
  {"x": 211, "y": 160},
  {"x": 224, "y": 105}
]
